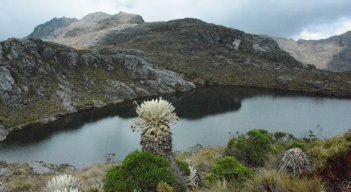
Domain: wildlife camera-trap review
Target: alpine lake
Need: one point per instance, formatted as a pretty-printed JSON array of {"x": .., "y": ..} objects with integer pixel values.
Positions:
[{"x": 208, "y": 116}]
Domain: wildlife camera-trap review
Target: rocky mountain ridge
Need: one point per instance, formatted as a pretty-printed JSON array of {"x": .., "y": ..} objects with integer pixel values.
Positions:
[
  {"x": 126, "y": 58},
  {"x": 47, "y": 29},
  {"x": 332, "y": 54},
  {"x": 41, "y": 81},
  {"x": 85, "y": 32}
]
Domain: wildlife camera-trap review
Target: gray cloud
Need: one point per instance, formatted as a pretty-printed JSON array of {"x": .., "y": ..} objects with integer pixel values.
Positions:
[{"x": 287, "y": 18}]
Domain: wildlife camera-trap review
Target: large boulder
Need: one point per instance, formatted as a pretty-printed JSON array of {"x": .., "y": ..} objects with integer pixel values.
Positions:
[{"x": 6, "y": 80}]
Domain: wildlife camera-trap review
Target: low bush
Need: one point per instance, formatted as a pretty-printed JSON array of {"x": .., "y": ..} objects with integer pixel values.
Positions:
[
  {"x": 229, "y": 169},
  {"x": 297, "y": 144},
  {"x": 140, "y": 171},
  {"x": 252, "y": 148},
  {"x": 184, "y": 167}
]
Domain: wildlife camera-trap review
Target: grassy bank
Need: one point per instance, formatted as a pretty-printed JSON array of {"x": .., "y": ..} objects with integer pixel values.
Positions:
[{"x": 262, "y": 151}]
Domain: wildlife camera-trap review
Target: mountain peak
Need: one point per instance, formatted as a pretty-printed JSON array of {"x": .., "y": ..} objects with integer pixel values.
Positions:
[
  {"x": 332, "y": 53},
  {"x": 46, "y": 29},
  {"x": 96, "y": 17},
  {"x": 127, "y": 18}
]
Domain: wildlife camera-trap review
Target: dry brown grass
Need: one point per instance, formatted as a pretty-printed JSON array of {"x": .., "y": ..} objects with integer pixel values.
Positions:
[
  {"x": 91, "y": 178},
  {"x": 271, "y": 180},
  {"x": 204, "y": 159},
  {"x": 222, "y": 186}
]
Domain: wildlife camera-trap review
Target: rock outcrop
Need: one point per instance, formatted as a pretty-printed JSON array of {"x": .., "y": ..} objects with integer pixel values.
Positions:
[
  {"x": 85, "y": 32},
  {"x": 40, "y": 81},
  {"x": 47, "y": 30},
  {"x": 3, "y": 133},
  {"x": 209, "y": 54},
  {"x": 332, "y": 54}
]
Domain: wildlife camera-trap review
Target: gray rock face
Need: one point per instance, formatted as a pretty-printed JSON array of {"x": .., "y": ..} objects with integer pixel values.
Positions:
[
  {"x": 98, "y": 103},
  {"x": 1, "y": 52},
  {"x": 40, "y": 168},
  {"x": 46, "y": 30},
  {"x": 315, "y": 84},
  {"x": 283, "y": 80},
  {"x": 140, "y": 69},
  {"x": 236, "y": 44},
  {"x": 174, "y": 80},
  {"x": 6, "y": 80},
  {"x": 59, "y": 80},
  {"x": 83, "y": 33},
  {"x": 4, "y": 171},
  {"x": 65, "y": 94},
  {"x": 120, "y": 90},
  {"x": 137, "y": 68},
  {"x": 96, "y": 17},
  {"x": 72, "y": 59},
  {"x": 332, "y": 54},
  {"x": 123, "y": 18},
  {"x": 3, "y": 133}
]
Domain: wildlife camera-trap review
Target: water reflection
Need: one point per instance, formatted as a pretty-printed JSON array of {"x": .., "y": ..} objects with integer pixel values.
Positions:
[
  {"x": 38, "y": 133},
  {"x": 192, "y": 105},
  {"x": 207, "y": 116}
]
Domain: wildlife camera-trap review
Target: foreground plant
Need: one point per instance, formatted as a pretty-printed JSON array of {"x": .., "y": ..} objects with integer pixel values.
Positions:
[
  {"x": 223, "y": 186},
  {"x": 2, "y": 187},
  {"x": 154, "y": 120},
  {"x": 230, "y": 169},
  {"x": 140, "y": 171},
  {"x": 272, "y": 180},
  {"x": 252, "y": 148},
  {"x": 294, "y": 162},
  {"x": 63, "y": 183}
]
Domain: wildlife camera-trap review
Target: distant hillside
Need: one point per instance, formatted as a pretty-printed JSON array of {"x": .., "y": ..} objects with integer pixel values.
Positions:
[
  {"x": 48, "y": 29},
  {"x": 85, "y": 32},
  {"x": 204, "y": 53},
  {"x": 333, "y": 54}
]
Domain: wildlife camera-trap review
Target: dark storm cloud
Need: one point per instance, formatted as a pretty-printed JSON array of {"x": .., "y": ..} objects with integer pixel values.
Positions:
[{"x": 287, "y": 18}]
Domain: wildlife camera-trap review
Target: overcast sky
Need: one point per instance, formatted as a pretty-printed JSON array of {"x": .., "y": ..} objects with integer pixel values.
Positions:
[{"x": 306, "y": 19}]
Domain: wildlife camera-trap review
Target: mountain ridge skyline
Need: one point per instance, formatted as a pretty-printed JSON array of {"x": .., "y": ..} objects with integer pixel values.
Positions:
[{"x": 290, "y": 18}]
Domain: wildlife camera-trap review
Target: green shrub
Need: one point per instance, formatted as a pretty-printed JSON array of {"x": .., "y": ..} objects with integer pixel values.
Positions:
[
  {"x": 229, "y": 169},
  {"x": 184, "y": 167},
  {"x": 140, "y": 171},
  {"x": 252, "y": 148},
  {"x": 297, "y": 144}
]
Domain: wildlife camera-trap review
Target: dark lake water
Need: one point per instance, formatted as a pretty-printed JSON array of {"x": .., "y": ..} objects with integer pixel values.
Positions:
[{"x": 208, "y": 117}]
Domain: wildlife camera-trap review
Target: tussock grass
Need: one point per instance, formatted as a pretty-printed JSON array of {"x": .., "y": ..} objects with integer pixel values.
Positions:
[
  {"x": 204, "y": 159},
  {"x": 91, "y": 178},
  {"x": 223, "y": 186},
  {"x": 323, "y": 152},
  {"x": 272, "y": 180}
]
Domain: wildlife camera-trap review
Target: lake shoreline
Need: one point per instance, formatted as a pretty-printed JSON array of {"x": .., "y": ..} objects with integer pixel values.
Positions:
[{"x": 43, "y": 122}]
